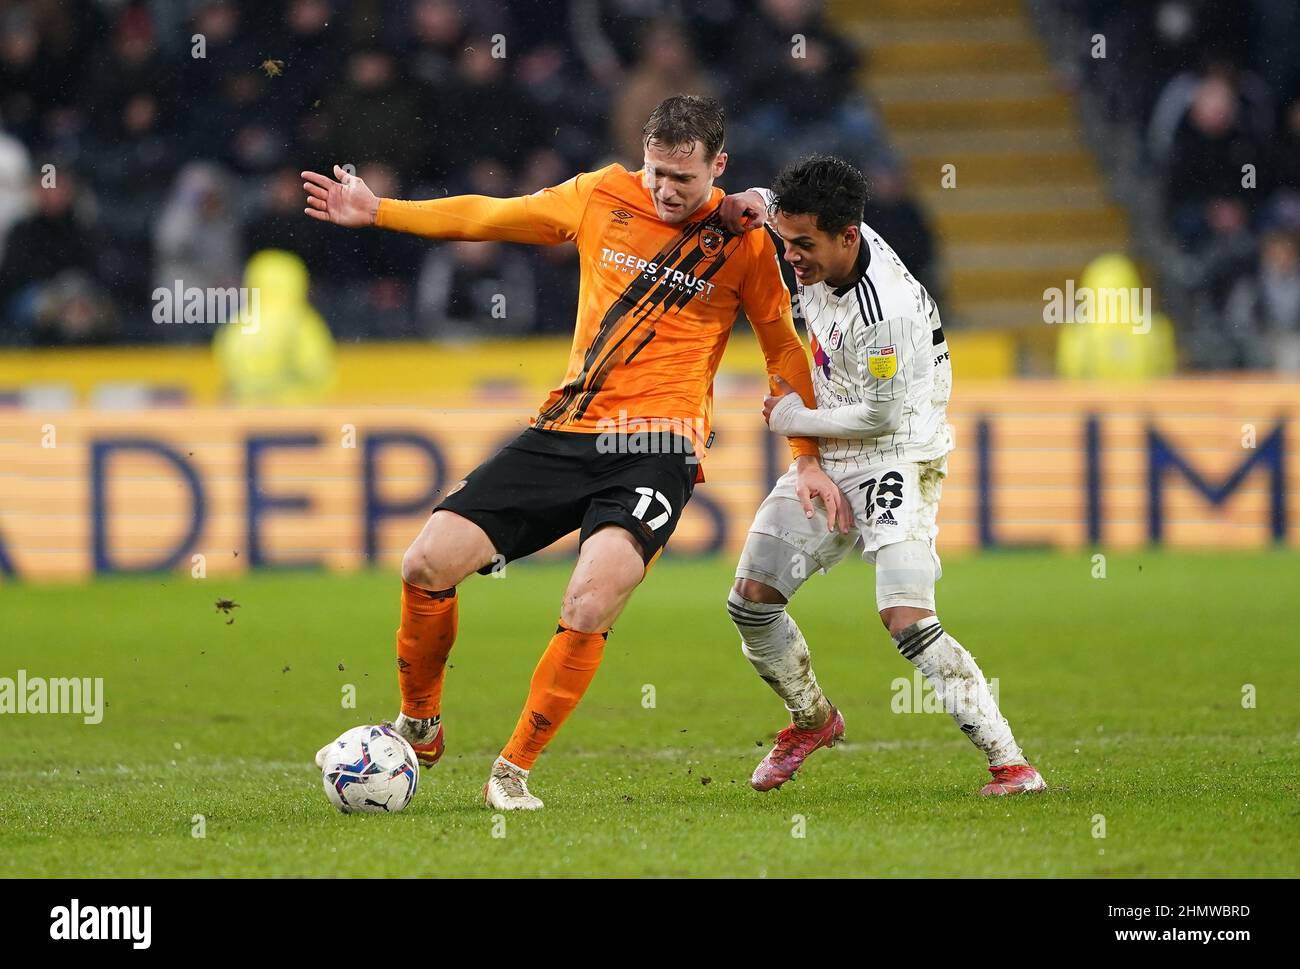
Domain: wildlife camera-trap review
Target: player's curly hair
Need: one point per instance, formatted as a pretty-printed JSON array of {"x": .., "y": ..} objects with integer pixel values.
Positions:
[
  {"x": 826, "y": 187},
  {"x": 683, "y": 119}
]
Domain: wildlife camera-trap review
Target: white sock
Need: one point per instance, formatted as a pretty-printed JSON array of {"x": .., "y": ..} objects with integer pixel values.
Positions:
[
  {"x": 772, "y": 642},
  {"x": 961, "y": 686}
]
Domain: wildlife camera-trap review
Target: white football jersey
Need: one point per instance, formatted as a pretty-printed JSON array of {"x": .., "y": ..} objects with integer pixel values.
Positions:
[{"x": 875, "y": 339}]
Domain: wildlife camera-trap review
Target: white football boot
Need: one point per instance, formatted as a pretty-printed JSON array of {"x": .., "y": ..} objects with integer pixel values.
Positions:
[{"x": 507, "y": 788}]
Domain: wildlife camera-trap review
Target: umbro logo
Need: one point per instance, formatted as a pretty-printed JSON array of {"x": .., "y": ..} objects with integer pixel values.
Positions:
[
  {"x": 538, "y": 721},
  {"x": 621, "y": 216}
]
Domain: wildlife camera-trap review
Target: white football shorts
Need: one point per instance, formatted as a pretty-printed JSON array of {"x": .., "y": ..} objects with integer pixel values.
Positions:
[{"x": 892, "y": 504}]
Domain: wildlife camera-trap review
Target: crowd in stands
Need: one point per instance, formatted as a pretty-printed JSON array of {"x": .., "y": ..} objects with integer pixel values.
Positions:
[
  {"x": 145, "y": 142},
  {"x": 1213, "y": 87}
]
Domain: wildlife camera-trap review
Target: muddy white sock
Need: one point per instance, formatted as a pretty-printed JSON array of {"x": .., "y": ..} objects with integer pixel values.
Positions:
[
  {"x": 958, "y": 682},
  {"x": 772, "y": 642}
]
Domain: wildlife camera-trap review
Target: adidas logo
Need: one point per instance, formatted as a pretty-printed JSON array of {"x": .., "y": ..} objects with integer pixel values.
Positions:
[{"x": 887, "y": 518}]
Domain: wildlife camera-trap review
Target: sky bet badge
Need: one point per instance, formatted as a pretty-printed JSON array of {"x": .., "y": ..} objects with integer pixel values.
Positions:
[{"x": 882, "y": 362}]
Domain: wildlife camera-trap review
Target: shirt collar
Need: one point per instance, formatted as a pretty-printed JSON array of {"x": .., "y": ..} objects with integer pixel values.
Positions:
[{"x": 859, "y": 268}]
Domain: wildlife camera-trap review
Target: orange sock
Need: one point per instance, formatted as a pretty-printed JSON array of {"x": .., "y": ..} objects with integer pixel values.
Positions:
[
  {"x": 562, "y": 676},
  {"x": 424, "y": 641}
]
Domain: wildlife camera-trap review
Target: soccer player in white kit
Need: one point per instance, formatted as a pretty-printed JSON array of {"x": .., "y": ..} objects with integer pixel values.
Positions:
[{"x": 882, "y": 377}]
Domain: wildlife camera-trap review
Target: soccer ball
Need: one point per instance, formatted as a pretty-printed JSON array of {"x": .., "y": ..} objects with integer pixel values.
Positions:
[{"x": 370, "y": 769}]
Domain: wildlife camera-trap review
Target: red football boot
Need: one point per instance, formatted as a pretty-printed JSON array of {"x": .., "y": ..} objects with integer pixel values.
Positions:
[
  {"x": 1013, "y": 779},
  {"x": 791, "y": 749}
]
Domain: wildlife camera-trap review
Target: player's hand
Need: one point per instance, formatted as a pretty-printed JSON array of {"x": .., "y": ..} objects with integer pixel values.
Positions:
[
  {"x": 743, "y": 211},
  {"x": 812, "y": 482},
  {"x": 347, "y": 201},
  {"x": 783, "y": 390}
]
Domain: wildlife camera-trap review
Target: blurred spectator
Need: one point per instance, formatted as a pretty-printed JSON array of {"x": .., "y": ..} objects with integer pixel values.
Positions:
[
  {"x": 1252, "y": 104},
  {"x": 1263, "y": 310},
  {"x": 666, "y": 67},
  {"x": 25, "y": 79},
  {"x": 370, "y": 283},
  {"x": 607, "y": 34},
  {"x": 1206, "y": 185},
  {"x": 279, "y": 350},
  {"x": 1286, "y": 150},
  {"x": 574, "y": 108},
  {"x": 70, "y": 308},
  {"x": 893, "y": 213},
  {"x": 197, "y": 237},
  {"x": 473, "y": 290},
  {"x": 15, "y": 186},
  {"x": 311, "y": 52},
  {"x": 128, "y": 95},
  {"x": 277, "y": 221},
  {"x": 437, "y": 35},
  {"x": 794, "y": 98},
  {"x": 376, "y": 117},
  {"x": 480, "y": 110},
  {"x": 51, "y": 260}
]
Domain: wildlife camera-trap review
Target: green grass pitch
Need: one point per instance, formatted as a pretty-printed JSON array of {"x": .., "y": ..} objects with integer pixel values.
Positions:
[{"x": 1127, "y": 692}]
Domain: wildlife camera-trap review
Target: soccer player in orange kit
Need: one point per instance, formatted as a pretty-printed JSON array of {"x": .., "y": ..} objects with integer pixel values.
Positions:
[{"x": 662, "y": 282}]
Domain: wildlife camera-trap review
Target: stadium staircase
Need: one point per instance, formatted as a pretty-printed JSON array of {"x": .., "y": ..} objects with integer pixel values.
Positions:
[{"x": 967, "y": 83}]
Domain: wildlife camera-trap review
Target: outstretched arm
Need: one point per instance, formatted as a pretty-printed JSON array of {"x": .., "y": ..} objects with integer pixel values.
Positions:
[{"x": 549, "y": 216}]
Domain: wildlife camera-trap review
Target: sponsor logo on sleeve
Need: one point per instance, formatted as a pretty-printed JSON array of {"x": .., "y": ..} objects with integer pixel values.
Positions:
[{"x": 882, "y": 362}]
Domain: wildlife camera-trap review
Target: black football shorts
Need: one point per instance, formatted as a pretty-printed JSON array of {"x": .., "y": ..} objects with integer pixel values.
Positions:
[{"x": 544, "y": 484}]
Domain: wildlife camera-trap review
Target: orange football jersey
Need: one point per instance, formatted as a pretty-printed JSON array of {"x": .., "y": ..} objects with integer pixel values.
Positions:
[{"x": 656, "y": 300}]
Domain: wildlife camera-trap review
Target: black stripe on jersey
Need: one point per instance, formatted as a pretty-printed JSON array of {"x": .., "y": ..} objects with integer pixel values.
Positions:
[
  {"x": 865, "y": 308},
  {"x": 640, "y": 346},
  {"x": 936, "y": 336},
  {"x": 874, "y": 295}
]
